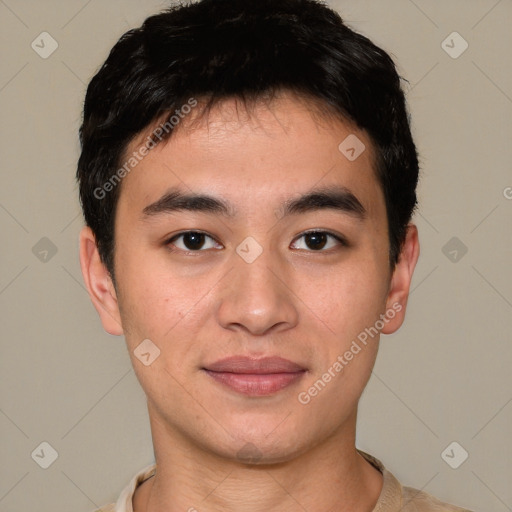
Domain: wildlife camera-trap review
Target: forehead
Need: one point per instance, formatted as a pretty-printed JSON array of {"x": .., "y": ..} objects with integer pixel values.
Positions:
[{"x": 252, "y": 156}]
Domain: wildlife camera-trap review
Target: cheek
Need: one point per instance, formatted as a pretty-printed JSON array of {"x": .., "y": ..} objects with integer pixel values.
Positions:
[
  {"x": 158, "y": 313},
  {"x": 150, "y": 302},
  {"x": 346, "y": 299},
  {"x": 153, "y": 311},
  {"x": 159, "y": 304}
]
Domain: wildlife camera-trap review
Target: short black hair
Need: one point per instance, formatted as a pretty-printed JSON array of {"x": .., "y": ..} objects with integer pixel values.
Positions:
[{"x": 245, "y": 49}]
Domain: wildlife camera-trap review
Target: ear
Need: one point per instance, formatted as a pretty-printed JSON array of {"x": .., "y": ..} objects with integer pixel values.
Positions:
[
  {"x": 99, "y": 283},
  {"x": 401, "y": 280}
]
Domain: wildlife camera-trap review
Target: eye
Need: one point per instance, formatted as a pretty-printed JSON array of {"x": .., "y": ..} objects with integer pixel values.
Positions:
[
  {"x": 193, "y": 241},
  {"x": 318, "y": 241}
]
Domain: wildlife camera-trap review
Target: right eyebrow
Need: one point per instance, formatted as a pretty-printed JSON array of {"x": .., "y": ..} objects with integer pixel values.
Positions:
[{"x": 176, "y": 200}]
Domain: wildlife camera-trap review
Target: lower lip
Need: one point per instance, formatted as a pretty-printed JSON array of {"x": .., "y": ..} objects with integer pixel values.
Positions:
[{"x": 256, "y": 384}]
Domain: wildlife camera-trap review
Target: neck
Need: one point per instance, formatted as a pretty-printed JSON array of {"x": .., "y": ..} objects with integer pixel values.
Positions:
[{"x": 329, "y": 476}]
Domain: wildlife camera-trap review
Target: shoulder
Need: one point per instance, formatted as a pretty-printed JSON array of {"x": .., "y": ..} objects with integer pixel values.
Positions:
[
  {"x": 124, "y": 501},
  {"x": 106, "y": 508},
  {"x": 397, "y": 497},
  {"x": 415, "y": 500}
]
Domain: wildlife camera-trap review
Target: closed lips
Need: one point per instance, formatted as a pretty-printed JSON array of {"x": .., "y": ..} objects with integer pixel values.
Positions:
[{"x": 247, "y": 365}]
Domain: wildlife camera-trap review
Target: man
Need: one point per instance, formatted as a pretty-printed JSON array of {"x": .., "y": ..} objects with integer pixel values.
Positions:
[{"x": 248, "y": 179}]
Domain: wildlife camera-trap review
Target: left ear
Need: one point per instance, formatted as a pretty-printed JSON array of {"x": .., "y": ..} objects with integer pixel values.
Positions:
[{"x": 401, "y": 280}]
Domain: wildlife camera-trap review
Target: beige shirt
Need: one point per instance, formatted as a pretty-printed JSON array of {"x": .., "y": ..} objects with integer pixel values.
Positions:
[{"x": 393, "y": 497}]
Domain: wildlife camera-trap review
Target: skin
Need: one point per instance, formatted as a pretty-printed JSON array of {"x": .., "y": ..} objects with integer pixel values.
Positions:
[{"x": 294, "y": 301}]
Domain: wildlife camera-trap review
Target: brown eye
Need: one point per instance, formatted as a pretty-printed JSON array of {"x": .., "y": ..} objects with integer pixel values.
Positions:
[
  {"x": 192, "y": 241},
  {"x": 317, "y": 241}
]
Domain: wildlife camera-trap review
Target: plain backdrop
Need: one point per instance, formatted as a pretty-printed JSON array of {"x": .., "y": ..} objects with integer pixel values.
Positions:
[{"x": 443, "y": 378}]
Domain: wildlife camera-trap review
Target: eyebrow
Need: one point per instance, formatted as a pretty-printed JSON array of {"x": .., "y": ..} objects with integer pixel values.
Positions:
[{"x": 324, "y": 198}]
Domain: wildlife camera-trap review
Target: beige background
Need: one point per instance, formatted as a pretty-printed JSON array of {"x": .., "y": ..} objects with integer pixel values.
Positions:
[{"x": 444, "y": 377}]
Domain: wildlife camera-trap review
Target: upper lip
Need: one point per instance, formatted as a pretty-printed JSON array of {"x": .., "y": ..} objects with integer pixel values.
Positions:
[{"x": 249, "y": 365}]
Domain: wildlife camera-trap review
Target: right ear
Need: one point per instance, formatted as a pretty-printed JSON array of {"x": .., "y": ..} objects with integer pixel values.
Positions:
[{"x": 99, "y": 283}]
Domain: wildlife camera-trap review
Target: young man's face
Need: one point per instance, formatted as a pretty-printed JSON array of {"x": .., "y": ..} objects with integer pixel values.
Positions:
[{"x": 254, "y": 286}]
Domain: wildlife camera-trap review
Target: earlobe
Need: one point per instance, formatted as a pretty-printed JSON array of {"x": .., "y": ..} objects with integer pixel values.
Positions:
[
  {"x": 99, "y": 284},
  {"x": 401, "y": 281}
]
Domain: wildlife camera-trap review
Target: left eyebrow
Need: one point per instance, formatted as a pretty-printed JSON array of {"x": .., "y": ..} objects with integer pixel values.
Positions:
[
  {"x": 324, "y": 198},
  {"x": 332, "y": 197}
]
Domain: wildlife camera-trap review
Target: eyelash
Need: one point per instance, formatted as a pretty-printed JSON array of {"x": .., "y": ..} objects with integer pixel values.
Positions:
[{"x": 341, "y": 240}]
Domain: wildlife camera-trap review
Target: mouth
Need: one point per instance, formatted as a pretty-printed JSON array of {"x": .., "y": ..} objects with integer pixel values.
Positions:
[{"x": 255, "y": 377}]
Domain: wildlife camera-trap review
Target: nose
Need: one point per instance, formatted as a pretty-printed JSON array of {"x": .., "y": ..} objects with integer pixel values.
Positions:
[{"x": 258, "y": 298}]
